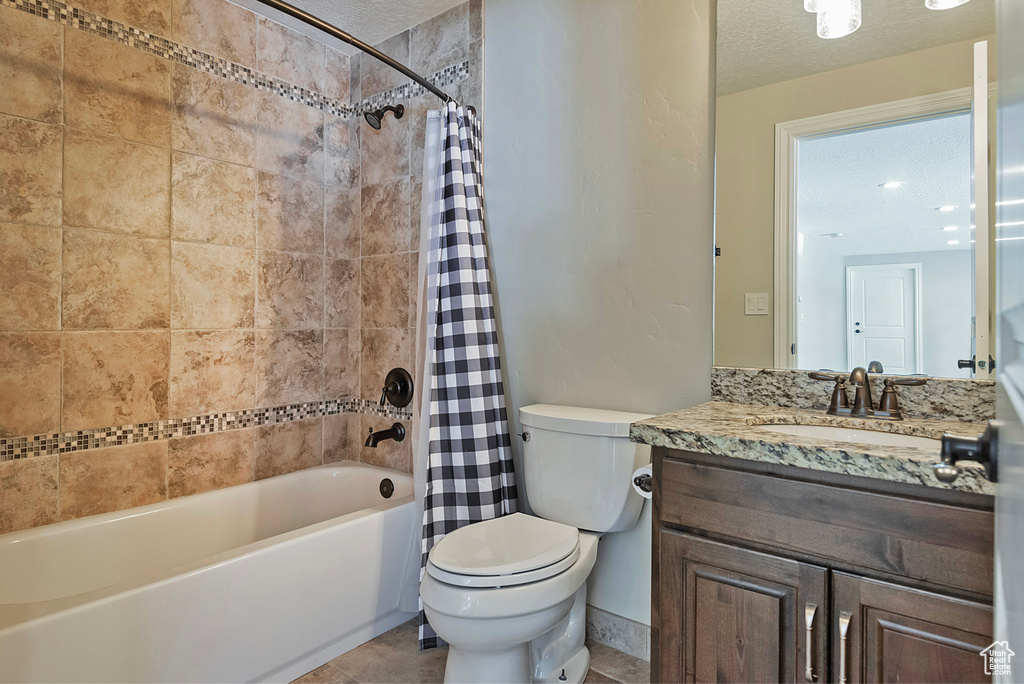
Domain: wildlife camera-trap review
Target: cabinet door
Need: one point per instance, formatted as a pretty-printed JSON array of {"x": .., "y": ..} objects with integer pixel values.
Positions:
[
  {"x": 728, "y": 614},
  {"x": 898, "y": 634}
]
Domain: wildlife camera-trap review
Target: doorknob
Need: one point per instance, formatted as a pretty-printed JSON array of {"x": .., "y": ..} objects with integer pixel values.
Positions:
[
  {"x": 967, "y": 363},
  {"x": 984, "y": 449}
]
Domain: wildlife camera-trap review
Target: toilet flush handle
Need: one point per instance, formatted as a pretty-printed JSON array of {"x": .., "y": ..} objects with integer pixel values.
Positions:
[{"x": 525, "y": 435}]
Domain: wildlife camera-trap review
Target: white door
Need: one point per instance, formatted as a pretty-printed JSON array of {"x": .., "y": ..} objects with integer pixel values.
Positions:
[
  {"x": 1009, "y": 570},
  {"x": 883, "y": 315}
]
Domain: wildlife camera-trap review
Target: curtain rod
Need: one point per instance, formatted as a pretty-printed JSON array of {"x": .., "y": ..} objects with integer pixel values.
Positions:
[{"x": 329, "y": 29}]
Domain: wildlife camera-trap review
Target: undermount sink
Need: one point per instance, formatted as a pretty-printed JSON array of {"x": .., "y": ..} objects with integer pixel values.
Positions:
[{"x": 854, "y": 436}]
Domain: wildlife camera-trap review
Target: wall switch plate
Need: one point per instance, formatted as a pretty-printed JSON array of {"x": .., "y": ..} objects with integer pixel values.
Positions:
[{"x": 755, "y": 304}]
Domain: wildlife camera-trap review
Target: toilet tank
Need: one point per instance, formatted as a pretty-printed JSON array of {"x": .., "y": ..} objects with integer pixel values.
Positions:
[{"x": 578, "y": 463}]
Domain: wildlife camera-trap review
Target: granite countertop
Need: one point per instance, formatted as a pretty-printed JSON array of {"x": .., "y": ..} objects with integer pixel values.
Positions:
[{"x": 735, "y": 430}]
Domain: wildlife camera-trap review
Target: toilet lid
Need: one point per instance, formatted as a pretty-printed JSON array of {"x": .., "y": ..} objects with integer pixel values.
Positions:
[{"x": 508, "y": 545}]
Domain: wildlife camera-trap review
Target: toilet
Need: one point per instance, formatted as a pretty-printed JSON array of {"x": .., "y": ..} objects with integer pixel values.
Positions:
[{"x": 509, "y": 595}]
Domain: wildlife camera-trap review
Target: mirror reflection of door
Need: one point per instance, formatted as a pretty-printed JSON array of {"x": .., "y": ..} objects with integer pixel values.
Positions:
[
  {"x": 882, "y": 313},
  {"x": 884, "y": 261}
]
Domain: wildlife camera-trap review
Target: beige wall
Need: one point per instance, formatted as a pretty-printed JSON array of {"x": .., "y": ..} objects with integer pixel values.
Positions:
[
  {"x": 174, "y": 245},
  {"x": 745, "y": 169},
  {"x": 598, "y": 152}
]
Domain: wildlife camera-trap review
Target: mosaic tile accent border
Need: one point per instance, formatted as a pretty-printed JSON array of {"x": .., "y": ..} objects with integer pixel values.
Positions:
[
  {"x": 56, "y": 10},
  {"x": 15, "y": 448}
]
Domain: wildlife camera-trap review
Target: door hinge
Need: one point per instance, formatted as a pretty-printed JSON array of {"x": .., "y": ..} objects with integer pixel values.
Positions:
[{"x": 718, "y": 251}]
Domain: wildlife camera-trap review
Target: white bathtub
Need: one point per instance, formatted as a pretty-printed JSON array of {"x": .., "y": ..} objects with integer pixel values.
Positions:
[{"x": 264, "y": 581}]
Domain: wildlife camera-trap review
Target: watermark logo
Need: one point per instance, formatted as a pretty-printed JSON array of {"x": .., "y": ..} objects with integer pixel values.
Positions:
[{"x": 997, "y": 658}]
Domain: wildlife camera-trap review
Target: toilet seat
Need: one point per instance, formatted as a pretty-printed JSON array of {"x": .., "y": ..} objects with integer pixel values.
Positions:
[{"x": 507, "y": 551}]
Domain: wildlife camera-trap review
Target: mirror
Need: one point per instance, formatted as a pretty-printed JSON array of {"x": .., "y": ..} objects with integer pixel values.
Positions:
[{"x": 850, "y": 225}]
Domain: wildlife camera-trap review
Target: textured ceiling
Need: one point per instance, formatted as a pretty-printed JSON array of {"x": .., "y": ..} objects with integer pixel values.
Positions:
[
  {"x": 838, "y": 188},
  {"x": 769, "y": 41},
  {"x": 371, "y": 21}
]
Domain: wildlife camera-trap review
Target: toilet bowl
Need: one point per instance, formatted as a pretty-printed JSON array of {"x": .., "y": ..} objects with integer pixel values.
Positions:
[{"x": 509, "y": 594}]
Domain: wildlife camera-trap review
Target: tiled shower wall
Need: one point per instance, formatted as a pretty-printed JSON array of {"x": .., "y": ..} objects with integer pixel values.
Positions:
[{"x": 175, "y": 245}]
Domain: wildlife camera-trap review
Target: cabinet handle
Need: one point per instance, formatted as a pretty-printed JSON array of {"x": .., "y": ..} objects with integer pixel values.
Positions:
[
  {"x": 844, "y": 627},
  {"x": 809, "y": 610}
]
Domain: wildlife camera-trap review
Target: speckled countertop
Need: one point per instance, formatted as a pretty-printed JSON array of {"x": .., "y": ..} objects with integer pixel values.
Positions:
[{"x": 736, "y": 431}]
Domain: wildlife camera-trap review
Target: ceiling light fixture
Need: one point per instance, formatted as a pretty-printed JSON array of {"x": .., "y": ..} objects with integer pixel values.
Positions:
[
  {"x": 953, "y": 242},
  {"x": 891, "y": 185},
  {"x": 836, "y": 18},
  {"x": 949, "y": 229},
  {"x": 946, "y": 207},
  {"x": 943, "y": 4}
]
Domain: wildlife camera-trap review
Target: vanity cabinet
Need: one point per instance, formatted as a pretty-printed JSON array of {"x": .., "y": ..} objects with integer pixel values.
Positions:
[{"x": 745, "y": 552}]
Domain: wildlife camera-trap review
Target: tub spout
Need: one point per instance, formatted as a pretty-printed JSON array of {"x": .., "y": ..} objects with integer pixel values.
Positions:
[{"x": 395, "y": 432}]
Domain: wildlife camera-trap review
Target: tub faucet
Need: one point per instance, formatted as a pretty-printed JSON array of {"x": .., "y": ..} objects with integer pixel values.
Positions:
[{"x": 395, "y": 432}]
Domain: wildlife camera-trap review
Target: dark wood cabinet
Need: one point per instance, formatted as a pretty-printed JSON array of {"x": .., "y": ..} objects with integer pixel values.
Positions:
[
  {"x": 745, "y": 553},
  {"x": 734, "y": 615},
  {"x": 898, "y": 634}
]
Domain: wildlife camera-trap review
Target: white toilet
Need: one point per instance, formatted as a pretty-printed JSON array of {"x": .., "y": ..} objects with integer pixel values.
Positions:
[{"x": 509, "y": 595}]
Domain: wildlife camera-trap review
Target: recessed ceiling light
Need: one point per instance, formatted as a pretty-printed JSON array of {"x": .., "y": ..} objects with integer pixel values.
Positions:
[
  {"x": 952, "y": 242},
  {"x": 946, "y": 207},
  {"x": 891, "y": 185},
  {"x": 949, "y": 228}
]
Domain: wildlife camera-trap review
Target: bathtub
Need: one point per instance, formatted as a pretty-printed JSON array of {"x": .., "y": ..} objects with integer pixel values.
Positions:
[{"x": 260, "y": 582}]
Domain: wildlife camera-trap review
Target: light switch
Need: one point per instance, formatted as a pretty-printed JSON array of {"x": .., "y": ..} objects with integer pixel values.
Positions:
[{"x": 755, "y": 304}]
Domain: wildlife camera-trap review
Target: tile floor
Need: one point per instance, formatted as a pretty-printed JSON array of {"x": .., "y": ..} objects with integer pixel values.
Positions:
[{"x": 394, "y": 658}]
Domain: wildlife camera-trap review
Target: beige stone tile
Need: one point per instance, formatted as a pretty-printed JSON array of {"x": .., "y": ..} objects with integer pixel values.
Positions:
[
  {"x": 342, "y": 222},
  {"x": 290, "y": 138},
  {"x": 103, "y": 480},
  {"x": 381, "y": 350},
  {"x": 149, "y": 15},
  {"x": 287, "y": 447},
  {"x": 384, "y": 154},
  {"x": 476, "y": 19},
  {"x": 620, "y": 633},
  {"x": 415, "y": 212},
  {"x": 213, "y": 286},
  {"x": 385, "y": 217},
  {"x": 116, "y": 185},
  {"x": 212, "y": 201},
  {"x": 389, "y": 453},
  {"x": 216, "y": 26},
  {"x": 28, "y": 493},
  {"x": 289, "y": 55},
  {"x": 30, "y": 171},
  {"x": 341, "y": 293},
  {"x": 441, "y": 41},
  {"x": 341, "y": 437},
  {"x": 115, "y": 282},
  {"x": 341, "y": 363},
  {"x": 338, "y": 75},
  {"x": 29, "y": 277},
  {"x": 354, "y": 88},
  {"x": 114, "y": 378},
  {"x": 201, "y": 463},
  {"x": 385, "y": 286},
  {"x": 376, "y": 77},
  {"x": 616, "y": 665},
  {"x": 212, "y": 371},
  {"x": 469, "y": 91},
  {"x": 289, "y": 291},
  {"x": 30, "y": 378},
  {"x": 341, "y": 141},
  {"x": 289, "y": 366},
  {"x": 290, "y": 214},
  {"x": 212, "y": 116},
  {"x": 115, "y": 89},
  {"x": 31, "y": 61},
  {"x": 414, "y": 289}
]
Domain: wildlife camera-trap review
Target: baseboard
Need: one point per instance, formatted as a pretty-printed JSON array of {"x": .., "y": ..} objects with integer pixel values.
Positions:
[{"x": 619, "y": 633}]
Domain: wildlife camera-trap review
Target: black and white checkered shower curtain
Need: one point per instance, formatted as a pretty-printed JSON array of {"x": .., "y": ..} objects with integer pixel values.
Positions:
[{"x": 469, "y": 465}]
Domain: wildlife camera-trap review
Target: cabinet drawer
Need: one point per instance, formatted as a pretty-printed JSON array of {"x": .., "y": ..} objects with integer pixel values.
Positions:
[{"x": 932, "y": 542}]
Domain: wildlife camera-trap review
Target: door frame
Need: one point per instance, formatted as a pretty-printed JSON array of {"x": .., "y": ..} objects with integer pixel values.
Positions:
[
  {"x": 787, "y": 134},
  {"x": 918, "y": 336}
]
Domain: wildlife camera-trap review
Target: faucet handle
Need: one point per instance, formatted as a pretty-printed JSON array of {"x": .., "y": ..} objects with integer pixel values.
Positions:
[
  {"x": 840, "y": 399},
  {"x": 912, "y": 382},
  {"x": 818, "y": 375}
]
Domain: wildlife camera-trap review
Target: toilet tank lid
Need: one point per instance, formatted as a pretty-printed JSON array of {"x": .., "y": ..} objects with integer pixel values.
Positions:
[{"x": 578, "y": 420}]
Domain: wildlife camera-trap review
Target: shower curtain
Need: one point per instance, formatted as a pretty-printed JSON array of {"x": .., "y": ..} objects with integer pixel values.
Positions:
[{"x": 462, "y": 447}]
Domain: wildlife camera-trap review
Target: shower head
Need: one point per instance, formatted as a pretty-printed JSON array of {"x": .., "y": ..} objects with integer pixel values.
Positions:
[{"x": 376, "y": 117}]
